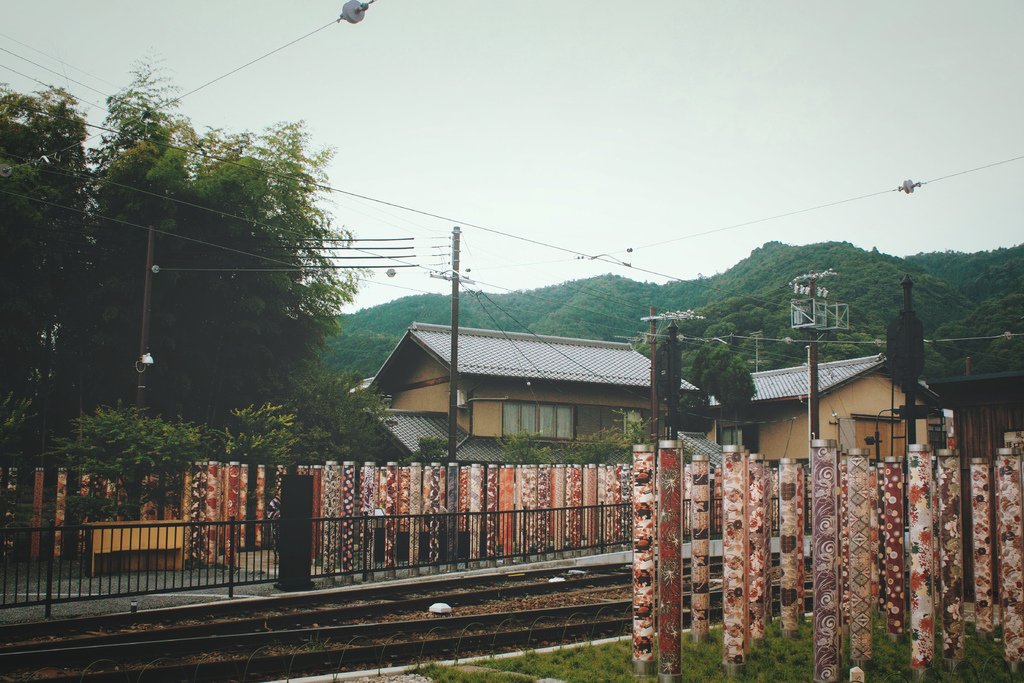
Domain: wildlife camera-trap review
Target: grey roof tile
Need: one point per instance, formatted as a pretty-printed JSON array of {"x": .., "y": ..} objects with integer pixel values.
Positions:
[
  {"x": 514, "y": 354},
  {"x": 793, "y": 382}
]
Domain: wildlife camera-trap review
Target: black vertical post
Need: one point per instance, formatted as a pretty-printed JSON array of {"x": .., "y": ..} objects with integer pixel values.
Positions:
[
  {"x": 910, "y": 384},
  {"x": 600, "y": 521},
  {"x": 52, "y": 545},
  {"x": 147, "y": 288},
  {"x": 672, "y": 428},
  {"x": 295, "y": 539},
  {"x": 231, "y": 556}
]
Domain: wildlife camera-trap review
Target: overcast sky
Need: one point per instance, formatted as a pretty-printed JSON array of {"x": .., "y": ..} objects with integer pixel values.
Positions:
[{"x": 598, "y": 126}]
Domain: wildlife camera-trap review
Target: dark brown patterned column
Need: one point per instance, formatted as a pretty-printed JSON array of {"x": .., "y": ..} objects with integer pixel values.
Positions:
[
  {"x": 951, "y": 557},
  {"x": 644, "y": 530},
  {"x": 825, "y": 542},
  {"x": 700, "y": 575},
  {"x": 893, "y": 558},
  {"x": 670, "y": 556}
]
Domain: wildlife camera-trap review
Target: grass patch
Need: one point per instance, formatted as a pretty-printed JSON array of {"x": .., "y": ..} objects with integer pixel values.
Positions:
[{"x": 775, "y": 658}]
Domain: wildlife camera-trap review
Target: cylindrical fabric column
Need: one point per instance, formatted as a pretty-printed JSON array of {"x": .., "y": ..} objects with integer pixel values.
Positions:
[
  {"x": 261, "y": 502},
  {"x": 491, "y": 528},
  {"x": 789, "y": 557},
  {"x": 37, "y": 510},
  {"x": 60, "y": 509},
  {"x": 558, "y": 503},
  {"x": 844, "y": 547},
  {"x": 367, "y": 506},
  {"x": 825, "y": 549},
  {"x": 801, "y": 527},
  {"x": 875, "y": 537},
  {"x": 700, "y": 541},
  {"x": 464, "y": 498},
  {"x": 197, "y": 511},
  {"x": 506, "y": 509},
  {"x": 348, "y": 511},
  {"x": 331, "y": 508},
  {"x": 951, "y": 556},
  {"x": 476, "y": 507},
  {"x": 243, "y": 491},
  {"x": 919, "y": 507},
  {"x": 601, "y": 501},
  {"x": 574, "y": 501},
  {"x": 893, "y": 557},
  {"x": 1011, "y": 554},
  {"x": 757, "y": 556},
  {"x": 670, "y": 554},
  {"x": 403, "y": 499},
  {"x": 451, "y": 526},
  {"x": 981, "y": 523},
  {"x": 589, "y": 504},
  {"x": 212, "y": 508},
  {"x": 527, "y": 482},
  {"x": 858, "y": 522},
  {"x": 391, "y": 512},
  {"x": 231, "y": 495},
  {"x": 415, "y": 494},
  {"x": 432, "y": 505},
  {"x": 644, "y": 529},
  {"x": 544, "y": 503},
  {"x": 735, "y": 550}
]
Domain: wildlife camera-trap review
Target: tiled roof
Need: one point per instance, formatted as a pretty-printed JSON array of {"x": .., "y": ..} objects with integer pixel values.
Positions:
[
  {"x": 696, "y": 443},
  {"x": 513, "y": 354},
  {"x": 793, "y": 382},
  {"x": 408, "y": 427}
]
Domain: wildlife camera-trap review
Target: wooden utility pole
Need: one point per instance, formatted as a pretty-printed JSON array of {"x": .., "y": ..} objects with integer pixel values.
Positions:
[
  {"x": 141, "y": 364},
  {"x": 655, "y": 408},
  {"x": 812, "y": 394},
  {"x": 453, "y": 372}
]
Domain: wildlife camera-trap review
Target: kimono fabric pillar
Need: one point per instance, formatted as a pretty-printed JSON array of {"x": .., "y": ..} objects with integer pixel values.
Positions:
[
  {"x": 506, "y": 509},
  {"x": 261, "y": 502},
  {"x": 874, "y": 513},
  {"x": 981, "y": 526},
  {"x": 476, "y": 506},
  {"x": 347, "y": 511},
  {"x": 1011, "y": 555},
  {"x": 367, "y": 504},
  {"x": 331, "y": 508},
  {"x": 644, "y": 529},
  {"x": 700, "y": 540},
  {"x": 491, "y": 508},
  {"x": 801, "y": 511},
  {"x": 758, "y": 557},
  {"x": 544, "y": 502},
  {"x": 391, "y": 517},
  {"x": 231, "y": 508},
  {"x": 922, "y": 617},
  {"x": 790, "y": 556},
  {"x": 37, "y": 510},
  {"x": 825, "y": 543},
  {"x": 589, "y": 504},
  {"x": 415, "y": 510},
  {"x": 558, "y": 503},
  {"x": 60, "y": 510},
  {"x": 734, "y": 559},
  {"x": 452, "y": 507},
  {"x": 574, "y": 501},
  {"x": 844, "y": 548},
  {"x": 951, "y": 557},
  {"x": 893, "y": 557},
  {"x": 212, "y": 508},
  {"x": 670, "y": 559},
  {"x": 862, "y": 554},
  {"x": 432, "y": 506}
]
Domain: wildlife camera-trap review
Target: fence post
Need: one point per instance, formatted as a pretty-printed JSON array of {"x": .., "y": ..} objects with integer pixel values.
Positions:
[
  {"x": 49, "y": 567},
  {"x": 231, "y": 556},
  {"x": 600, "y": 526}
]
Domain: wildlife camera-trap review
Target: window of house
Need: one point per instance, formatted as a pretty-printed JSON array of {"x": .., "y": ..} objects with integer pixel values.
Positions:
[
  {"x": 547, "y": 420},
  {"x": 739, "y": 435}
]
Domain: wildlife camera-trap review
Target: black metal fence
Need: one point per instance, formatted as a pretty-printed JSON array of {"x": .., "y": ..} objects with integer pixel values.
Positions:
[{"x": 49, "y": 565}]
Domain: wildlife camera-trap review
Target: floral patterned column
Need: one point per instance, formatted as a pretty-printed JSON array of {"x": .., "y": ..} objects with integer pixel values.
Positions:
[
  {"x": 37, "y": 511},
  {"x": 506, "y": 508},
  {"x": 348, "y": 511},
  {"x": 875, "y": 533},
  {"x": 757, "y": 557},
  {"x": 670, "y": 558},
  {"x": 491, "y": 530},
  {"x": 790, "y": 556},
  {"x": 589, "y": 503},
  {"x": 432, "y": 507},
  {"x": 528, "y": 487},
  {"x": 452, "y": 506},
  {"x": 60, "y": 509},
  {"x": 862, "y": 554},
  {"x": 893, "y": 556},
  {"x": 1011, "y": 554},
  {"x": 951, "y": 557},
  {"x": 261, "y": 501},
  {"x": 615, "y": 484},
  {"x": 981, "y": 516},
  {"x": 367, "y": 505},
  {"x": 197, "y": 510},
  {"x": 919, "y": 505},
  {"x": 734, "y": 560},
  {"x": 573, "y": 501},
  {"x": 331, "y": 508},
  {"x": 700, "y": 538},
  {"x": 825, "y": 548},
  {"x": 476, "y": 507},
  {"x": 844, "y": 548},
  {"x": 644, "y": 529},
  {"x": 212, "y": 508},
  {"x": 801, "y": 527},
  {"x": 390, "y": 512},
  {"x": 544, "y": 502},
  {"x": 558, "y": 503},
  {"x": 415, "y": 523}
]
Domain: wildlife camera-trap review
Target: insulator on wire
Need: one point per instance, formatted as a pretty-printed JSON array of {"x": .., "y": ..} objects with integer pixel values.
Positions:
[
  {"x": 353, "y": 11},
  {"x": 908, "y": 186}
]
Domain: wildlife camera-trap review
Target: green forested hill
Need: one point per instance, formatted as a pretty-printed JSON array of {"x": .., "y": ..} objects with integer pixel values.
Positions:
[{"x": 955, "y": 295}]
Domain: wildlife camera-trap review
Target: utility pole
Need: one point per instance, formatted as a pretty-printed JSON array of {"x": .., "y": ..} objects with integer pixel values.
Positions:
[
  {"x": 145, "y": 359},
  {"x": 905, "y": 357},
  {"x": 453, "y": 376},
  {"x": 672, "y": 419},
  {"x": 655, "y": 408},
  {"x": 816, "y": 315}
]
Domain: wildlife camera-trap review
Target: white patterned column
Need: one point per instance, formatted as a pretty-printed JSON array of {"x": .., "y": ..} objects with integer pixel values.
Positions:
[
  {"x": 825, "y": 549},
  {"x": 951, "y": 556},
  {"x": 1011, "y": 554},
  {"x": 919, "y": 506},
  {"x": 862, "y": 555},
  {"x": 644, "y": 532},
  {"x": 981, "y": 524},
  {"x": 734, "y": 561}
]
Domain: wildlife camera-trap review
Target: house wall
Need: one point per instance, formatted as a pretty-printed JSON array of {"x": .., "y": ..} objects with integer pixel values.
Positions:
[
  {"x": 782, "y": 425},
  {"x": 433, "y": 398}
]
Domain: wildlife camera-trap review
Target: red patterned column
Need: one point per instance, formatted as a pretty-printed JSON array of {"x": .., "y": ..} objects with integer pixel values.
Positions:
[
  {"x": 589, "y": 502},
  {"x": 390, "y": 512},
  {"x": 60, "y": 510},
  {"x": 243, "y": 492},
  {"x": 261, "y": 501},
  {"x": 506, "y": 509},
  {"x": 735, "y": 550},
  {"x": 573, "y": 501},
  {"x": 790, "y": 556},
  {"x": 37, "y": 510},
  {"x": 670, "y": 555},
  {"x": 414, "y": 494},
  {"x": 801, "y": 504},
  {"x": 981, "y": 518},
  {"x": 875, "y": 534},
  {"x": 858, "y": 523},
  {"x": 527, "y": 483},
  {"x": 844, "y": 547},
  {"x": 231, "y": 495},
  {"x": 544, "y": 502},
  {"x": 558, "y": 503},
  {"x": 1011, "y": 554},
  {"x": 432, "y": 506},
  {"x": 463, "y": 498},
  {"x": 919, "y": 506},
  {"x": 491, "y": 530},
  {"x": 212, "y": 513},
  {"x": 644, "y": 529},
  {"x": 951, "y": 556},
  {"x": 476, "y": 506},
  {"x": 757, "y": 557},
  {"x": 197, "y": 512},
  {"x": 367, "y": 506},
  {"x": 348, "y": 511},
  {"x": 825, "y": 549},
  {"x": 893, "y": 557},
  {"x": 403, "y": 499},
  {"x": 700, "y": 573}
]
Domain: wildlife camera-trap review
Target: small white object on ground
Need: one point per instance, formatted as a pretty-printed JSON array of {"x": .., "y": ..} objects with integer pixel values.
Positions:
[{"x": 440, "y": 608}]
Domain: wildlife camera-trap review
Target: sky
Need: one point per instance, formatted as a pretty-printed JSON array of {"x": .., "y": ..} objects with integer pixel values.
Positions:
[{"x": 596, "y": 127}]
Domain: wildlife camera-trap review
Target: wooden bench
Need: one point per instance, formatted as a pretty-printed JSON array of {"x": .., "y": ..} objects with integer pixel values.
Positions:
[{"x": 135, "y": 546}]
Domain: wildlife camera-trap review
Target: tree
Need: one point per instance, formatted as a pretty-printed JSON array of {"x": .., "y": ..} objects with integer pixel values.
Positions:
[
  {"x": 523, "y": 449},
  {"x": 724, "y": 375},
  {"x": 263, "y": 435}
]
